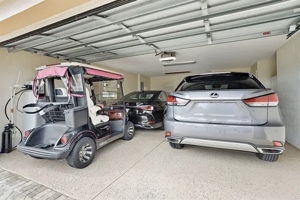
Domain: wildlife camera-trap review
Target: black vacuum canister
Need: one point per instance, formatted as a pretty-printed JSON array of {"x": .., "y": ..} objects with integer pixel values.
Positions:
[{"x": 6, "y": 145}]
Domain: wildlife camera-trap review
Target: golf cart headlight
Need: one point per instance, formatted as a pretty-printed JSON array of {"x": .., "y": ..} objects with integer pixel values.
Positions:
[{"x": 27, "y": 133}]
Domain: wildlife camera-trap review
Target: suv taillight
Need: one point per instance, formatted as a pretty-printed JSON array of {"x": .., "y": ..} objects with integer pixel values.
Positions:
[
  {"x": 175, "y": 101},
  {"x": 263, "y": 101}
]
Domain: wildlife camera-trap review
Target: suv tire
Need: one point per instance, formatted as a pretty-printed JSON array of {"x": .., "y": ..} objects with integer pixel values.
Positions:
[
  {"x": 268, "y": 157},
  {"x": 176, "y": 145},
  {"x": 83, "y": 153},
  {"x": 129, "y": 131}
]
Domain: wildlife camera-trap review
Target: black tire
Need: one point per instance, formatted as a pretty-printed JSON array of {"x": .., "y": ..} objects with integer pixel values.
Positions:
[
  {"x": 83, "y": 153},
  {"x": 176, "y": 145},
  {"x": 162, "y": 127},
  {"x": 129, "y": 131},
  {"x": 268, "y": 157}
]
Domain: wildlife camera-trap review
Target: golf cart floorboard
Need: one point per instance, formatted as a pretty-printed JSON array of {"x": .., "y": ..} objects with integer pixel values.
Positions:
[{"x": 108, "y": 139}]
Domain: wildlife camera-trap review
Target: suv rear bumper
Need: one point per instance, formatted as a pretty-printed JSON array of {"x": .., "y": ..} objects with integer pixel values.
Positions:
[
  {"x": 43, "y": 153},
  {"x": 258, "y": 139},
  {"x": 227, "y": 145}
]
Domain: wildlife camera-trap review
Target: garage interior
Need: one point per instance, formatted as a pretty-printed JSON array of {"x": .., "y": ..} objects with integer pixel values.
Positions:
[{"x": 129, "y": 36}]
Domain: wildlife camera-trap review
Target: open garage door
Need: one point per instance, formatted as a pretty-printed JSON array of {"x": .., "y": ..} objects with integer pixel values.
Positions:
[{"x": 128, "y": 28}]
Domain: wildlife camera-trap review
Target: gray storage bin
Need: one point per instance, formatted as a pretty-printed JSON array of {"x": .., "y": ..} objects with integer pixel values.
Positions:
[{"x": 76, "y": 117}]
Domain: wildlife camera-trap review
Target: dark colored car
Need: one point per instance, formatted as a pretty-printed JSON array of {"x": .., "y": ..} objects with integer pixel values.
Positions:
[{"x": 146, "y": 108}]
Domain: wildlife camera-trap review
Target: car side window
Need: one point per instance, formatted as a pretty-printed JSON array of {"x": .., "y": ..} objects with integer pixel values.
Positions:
[{"x": 162, "y": 96}]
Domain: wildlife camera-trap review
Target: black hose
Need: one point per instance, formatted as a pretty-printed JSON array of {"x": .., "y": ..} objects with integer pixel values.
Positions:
[
  {"x": 5, "y": 108},
  {"x": 21, "y": 137},
  {"x": 37, "y": 111}
]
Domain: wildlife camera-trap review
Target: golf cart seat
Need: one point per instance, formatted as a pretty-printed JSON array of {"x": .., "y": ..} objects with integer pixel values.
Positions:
[{"x": 96, "y": 119}]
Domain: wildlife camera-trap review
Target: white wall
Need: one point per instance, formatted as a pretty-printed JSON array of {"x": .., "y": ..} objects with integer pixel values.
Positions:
[
  {"x": 288, "y": 77},
  {"x": 130, "y": 82},
  {"x": 167, "y": 83},
  {"x": 145, "y": 80},
  {"x": 234, "y": 69},
  {"x": 266, "y": 69},
  {"x": 170, "y": 82}
]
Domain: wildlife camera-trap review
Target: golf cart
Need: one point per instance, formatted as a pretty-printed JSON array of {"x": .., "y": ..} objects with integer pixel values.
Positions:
[{"x": 76, "y": 120}]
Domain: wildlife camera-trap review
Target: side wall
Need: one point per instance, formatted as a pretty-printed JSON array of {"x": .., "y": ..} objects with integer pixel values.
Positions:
[
  {"x": 145, "y": 80},
  {"x": 266, "y": 69},
  {"x": 288, "y": 75},
  {"x": 167, "y": 83},
  {"x": 235, "y": 69},
  {"x": 130, "y": 83}
]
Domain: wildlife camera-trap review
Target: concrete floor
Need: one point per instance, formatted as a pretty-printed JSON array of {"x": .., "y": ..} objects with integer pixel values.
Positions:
[
  {"x": 147, "y": 168},
  {"x": 15, "y": 187}
]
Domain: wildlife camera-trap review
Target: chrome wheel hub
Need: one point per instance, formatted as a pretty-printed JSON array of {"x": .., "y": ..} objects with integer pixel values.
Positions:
[
  {"x": 85, "y": 153},
  {"x": 130, "y": 130}
]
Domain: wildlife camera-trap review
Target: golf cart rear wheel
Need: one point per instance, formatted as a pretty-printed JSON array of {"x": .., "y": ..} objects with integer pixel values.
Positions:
[
  {"x": 83, "y": 153},
  {"x": 268, "y": 157},
  {"x": 129, "y": 131},
  {"x": 176, "y": 145}
]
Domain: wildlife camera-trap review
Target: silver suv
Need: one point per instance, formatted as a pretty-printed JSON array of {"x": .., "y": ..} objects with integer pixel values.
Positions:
[{"x": 225, "y": 110}]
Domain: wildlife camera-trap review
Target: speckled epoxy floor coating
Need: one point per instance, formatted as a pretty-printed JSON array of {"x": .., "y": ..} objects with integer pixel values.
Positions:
[{"x": 147, "y": 168}]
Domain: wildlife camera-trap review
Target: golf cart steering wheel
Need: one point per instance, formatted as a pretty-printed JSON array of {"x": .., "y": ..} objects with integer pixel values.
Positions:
[{"x": 34, "y": 105}]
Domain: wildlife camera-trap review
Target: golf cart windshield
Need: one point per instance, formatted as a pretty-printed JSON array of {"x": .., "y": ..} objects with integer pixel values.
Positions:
[
  {"x": 108, "y": 92},
  {"x": 67, "y": 80}
]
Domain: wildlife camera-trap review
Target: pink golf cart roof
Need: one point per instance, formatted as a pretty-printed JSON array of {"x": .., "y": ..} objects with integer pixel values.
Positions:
[{"x": 61, "y": 69}]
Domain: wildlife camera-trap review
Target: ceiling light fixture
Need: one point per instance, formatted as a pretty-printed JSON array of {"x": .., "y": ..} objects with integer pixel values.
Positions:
[
  {"x": 190, "y": 62},
  {"x": 179, "y": 72},
  {"x": 167, "y": 56}
]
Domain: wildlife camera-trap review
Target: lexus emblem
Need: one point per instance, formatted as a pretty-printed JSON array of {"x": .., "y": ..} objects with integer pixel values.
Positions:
[{"x": 214, "y": 95}]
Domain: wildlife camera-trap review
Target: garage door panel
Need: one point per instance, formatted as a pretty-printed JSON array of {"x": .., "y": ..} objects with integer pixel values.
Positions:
[
  {"x": 144, "y": 7},
  {"x": 101, "y": 32},
  {"x": 251, "y": 17},
  {"x": 260, "y": 29},
  {"x": 192, "y": 9},
  {"x": 75, "y": 26},
  {"x": 146, "y": 26}
]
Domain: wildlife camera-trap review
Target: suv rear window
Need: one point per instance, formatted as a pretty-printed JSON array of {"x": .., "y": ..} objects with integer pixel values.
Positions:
[{"x": 229, "y": 81}]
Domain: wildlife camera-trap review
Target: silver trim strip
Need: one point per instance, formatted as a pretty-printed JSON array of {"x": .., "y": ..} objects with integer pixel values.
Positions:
[
  {"x": 275, "y": 150},
  {"x": 220, "y": 144}
]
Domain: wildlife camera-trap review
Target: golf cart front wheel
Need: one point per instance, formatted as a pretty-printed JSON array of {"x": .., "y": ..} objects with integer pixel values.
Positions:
[
  {"x": 83, "y": 153},
  {"x": 129, "y": 131}
]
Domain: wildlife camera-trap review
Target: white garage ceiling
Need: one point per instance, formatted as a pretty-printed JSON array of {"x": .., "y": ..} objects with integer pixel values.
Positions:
[
  {"x": 9, "y": 8},
  {"x": 138, "y": 27},
  {"x": 212, "y": 57}
]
